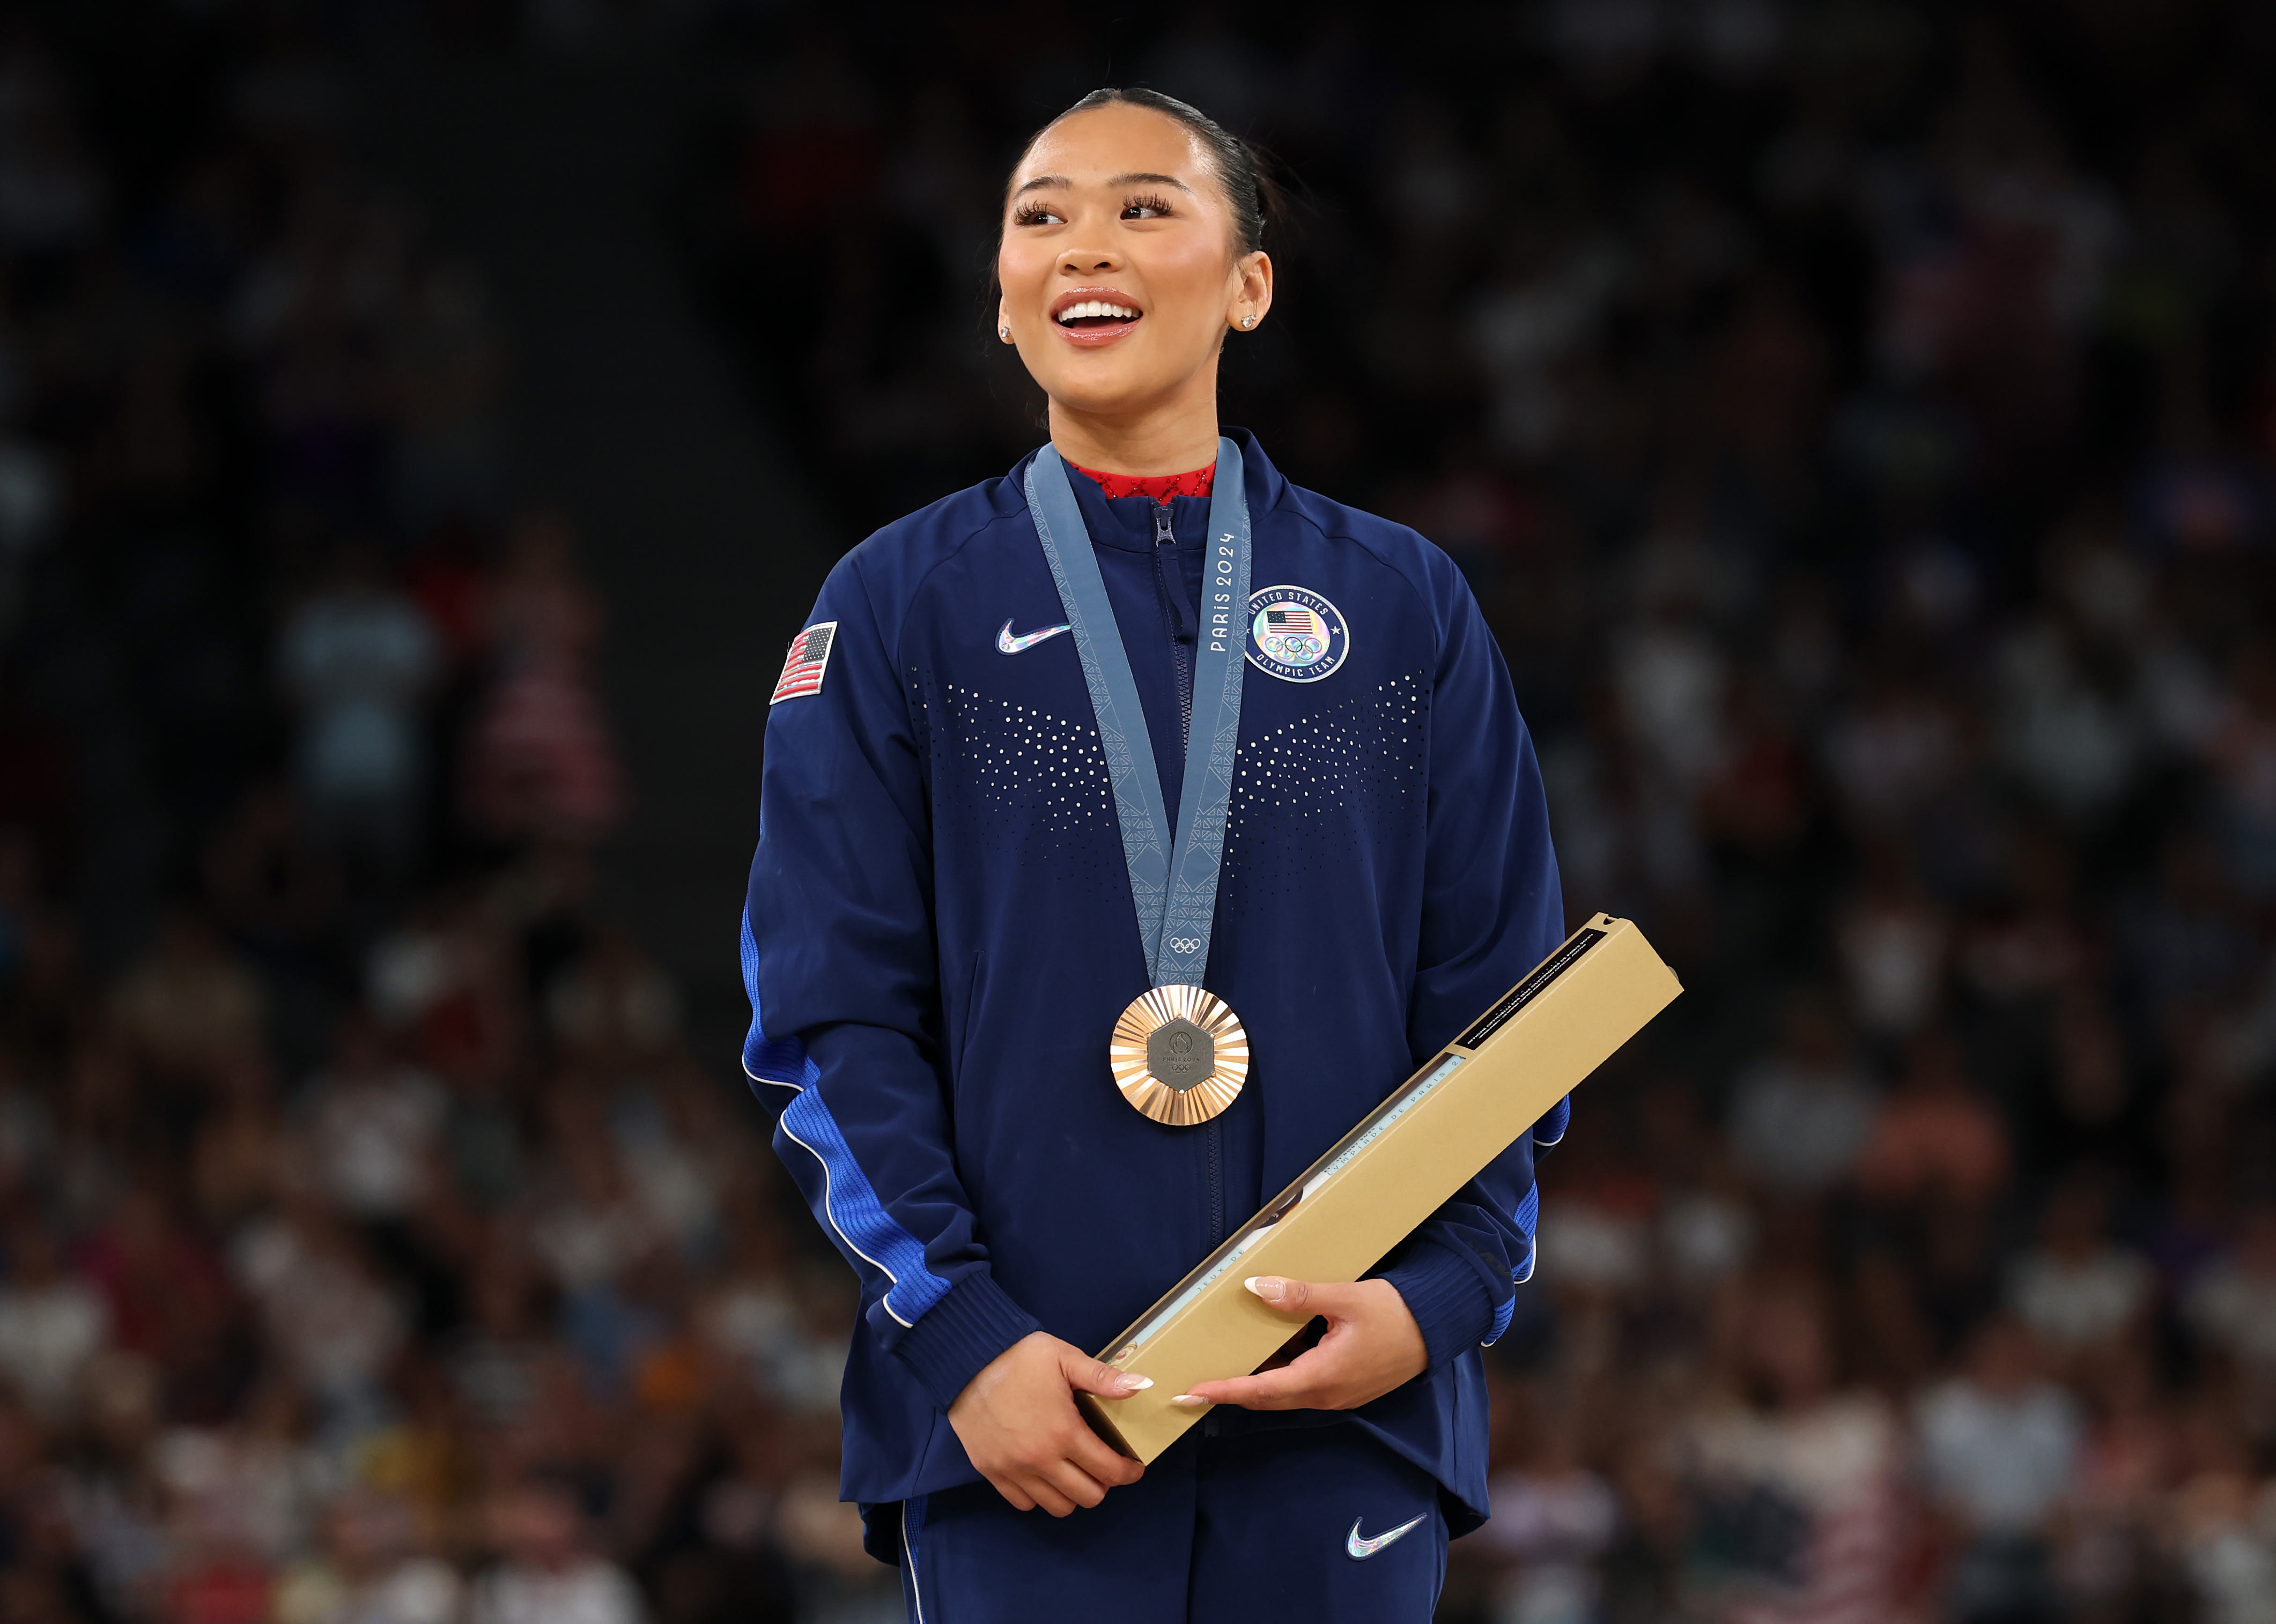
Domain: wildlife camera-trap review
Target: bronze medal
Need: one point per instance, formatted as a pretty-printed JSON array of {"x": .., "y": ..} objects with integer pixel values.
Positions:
[{"x": 1180, "y": 1055}]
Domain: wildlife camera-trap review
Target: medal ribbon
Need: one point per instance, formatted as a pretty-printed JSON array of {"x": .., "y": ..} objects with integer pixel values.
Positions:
[{"x": 1174, "y": 886}]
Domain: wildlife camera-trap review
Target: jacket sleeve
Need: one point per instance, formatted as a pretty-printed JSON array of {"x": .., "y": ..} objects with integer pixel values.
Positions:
[
  {"x": 1492, "y": 908},
  {"x": 840, "y": 963}
]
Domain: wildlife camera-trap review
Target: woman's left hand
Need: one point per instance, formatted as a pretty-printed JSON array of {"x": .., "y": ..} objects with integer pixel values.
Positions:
[{"x": 1372, "y": 1346}]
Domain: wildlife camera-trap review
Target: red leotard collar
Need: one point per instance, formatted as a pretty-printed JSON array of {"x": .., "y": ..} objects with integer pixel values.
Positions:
[{"x": 1160, "y": 486}]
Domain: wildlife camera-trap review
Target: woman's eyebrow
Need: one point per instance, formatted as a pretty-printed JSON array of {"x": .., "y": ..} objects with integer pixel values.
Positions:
[
  {"x": 1136, "y": 175},
  {"x": 1045, "y": 182}
]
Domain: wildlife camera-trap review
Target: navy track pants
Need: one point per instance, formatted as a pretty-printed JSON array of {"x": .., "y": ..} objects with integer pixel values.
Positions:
[{"x": 1255, "y": 1528}]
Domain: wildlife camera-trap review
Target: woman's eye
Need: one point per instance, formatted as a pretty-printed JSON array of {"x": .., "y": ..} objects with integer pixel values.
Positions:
[
  {"x": 1146, "y": 209},
  {"x": 1035, "y": 213}
]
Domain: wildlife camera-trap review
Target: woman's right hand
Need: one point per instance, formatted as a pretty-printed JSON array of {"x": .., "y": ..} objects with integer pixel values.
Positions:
[{"x": 1020, "y": 1426}]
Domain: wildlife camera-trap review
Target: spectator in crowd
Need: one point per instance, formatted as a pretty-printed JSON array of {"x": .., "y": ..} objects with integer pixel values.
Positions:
[
  {"x": 191, "y": 1007},
  {"x": 2106, "y": 1560},
  {"x": 539, "y": 759},
  {"x": 2077, "y": 1290},
  {"x": 357, "y": 658},
  {"x": 544, "y": 1573},
  {"x": 1795, "y": 1477},
  {"x": 1935, "y": 1137},
  {"x": 1998, "y": 1446},
  {"x": 2231, "y": 1304},
  {"x": 1800, "y": 1115},
  {"x": 52, "y": 1323},
  {"x": 2218, "y": 1521},
  {"x": 372, "y": 1571},
  {"x": 1554, "y": 1518},
  {"x": 373, "y": 1127}
]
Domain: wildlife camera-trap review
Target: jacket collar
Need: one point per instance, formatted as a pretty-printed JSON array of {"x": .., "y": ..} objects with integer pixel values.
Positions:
[{"x": 1133, "y": 530}]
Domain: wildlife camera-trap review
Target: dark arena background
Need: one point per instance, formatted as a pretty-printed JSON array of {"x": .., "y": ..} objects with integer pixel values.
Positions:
[{"x": 422, "y": 426}]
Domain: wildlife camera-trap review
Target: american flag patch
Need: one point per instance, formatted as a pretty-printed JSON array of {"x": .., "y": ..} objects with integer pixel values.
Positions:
[
  {"x": 1301, "y": 622},
  {"x": 807, "y": 660}
]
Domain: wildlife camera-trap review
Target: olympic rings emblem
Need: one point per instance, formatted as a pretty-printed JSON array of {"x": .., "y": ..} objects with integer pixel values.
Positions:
[{"x": 1185, "y": 944}]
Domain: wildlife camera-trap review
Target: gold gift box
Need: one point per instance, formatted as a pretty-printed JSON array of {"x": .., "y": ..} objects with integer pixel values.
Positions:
[{"x": 1378, "y": 1184}]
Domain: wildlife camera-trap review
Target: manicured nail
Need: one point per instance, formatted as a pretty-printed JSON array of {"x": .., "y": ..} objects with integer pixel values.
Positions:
[
  {"x": 1133, "y": 1384},
  {"x": 1188, "y": 1400},
  {"x": 1264, "y": 1285}
]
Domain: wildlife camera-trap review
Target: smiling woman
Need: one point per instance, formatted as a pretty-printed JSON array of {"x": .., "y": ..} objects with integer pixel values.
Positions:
[{"x": 1275, "y": 735}]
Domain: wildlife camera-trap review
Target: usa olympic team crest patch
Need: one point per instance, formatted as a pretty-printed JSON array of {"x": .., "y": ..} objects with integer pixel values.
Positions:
[{"x": 1295, "y": 634}]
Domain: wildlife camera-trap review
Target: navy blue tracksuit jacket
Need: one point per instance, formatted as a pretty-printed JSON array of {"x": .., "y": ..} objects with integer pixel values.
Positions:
[{"x": 939, "y": 935}]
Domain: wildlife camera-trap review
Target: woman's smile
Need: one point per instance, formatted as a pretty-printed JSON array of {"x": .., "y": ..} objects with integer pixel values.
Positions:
[{"x": 1092, "y": 318}]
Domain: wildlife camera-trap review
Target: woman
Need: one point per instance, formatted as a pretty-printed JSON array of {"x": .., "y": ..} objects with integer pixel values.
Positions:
[{"x": 1008, "y": 734}]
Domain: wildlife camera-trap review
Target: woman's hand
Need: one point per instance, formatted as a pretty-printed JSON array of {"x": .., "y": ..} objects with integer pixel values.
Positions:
[
  {"x": 1019, "y": 1427},
  {"x": 1372, "y": 1346}
]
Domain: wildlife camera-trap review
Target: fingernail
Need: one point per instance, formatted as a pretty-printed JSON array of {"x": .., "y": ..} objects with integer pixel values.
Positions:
[
  {"x": 1264, "y": 1285},
  {"x": 1133, "y": 1384},
  {"x": 1187, "y": 1400}
]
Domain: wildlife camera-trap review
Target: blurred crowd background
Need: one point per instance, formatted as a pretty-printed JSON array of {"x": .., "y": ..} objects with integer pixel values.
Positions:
[
  {"x": 372, "y": 1248},
  {"x": 1858, "y": 419}
]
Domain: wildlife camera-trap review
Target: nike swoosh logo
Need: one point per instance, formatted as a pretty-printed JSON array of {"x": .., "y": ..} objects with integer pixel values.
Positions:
[
  {"x": 1359, "y": 1550},
  {"x": 1007, "y": 644}
]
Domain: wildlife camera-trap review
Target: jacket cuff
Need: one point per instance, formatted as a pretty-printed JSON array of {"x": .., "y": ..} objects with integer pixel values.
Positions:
[
  {"x": 1448, "y": 1293},
  {"x": 954, "y": 1338}
]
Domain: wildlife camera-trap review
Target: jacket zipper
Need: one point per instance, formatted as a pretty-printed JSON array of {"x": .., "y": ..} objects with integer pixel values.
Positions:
[
  {"x": 1165, "y": 540},
  {"x": 1165, "y": 559}
]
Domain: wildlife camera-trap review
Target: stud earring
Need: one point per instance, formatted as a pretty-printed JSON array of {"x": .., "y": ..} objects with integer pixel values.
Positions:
[
  {"x": 1248, "y": 322},
  {"x": 1005, "y": 333}
]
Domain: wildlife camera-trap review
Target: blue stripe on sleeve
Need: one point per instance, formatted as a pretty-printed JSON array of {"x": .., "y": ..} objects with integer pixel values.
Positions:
[
  {"x": 1551, "y": 1128},
  {"x": 849, "y": 1202},
  {"x": 858, "y": 1217},
  {"x": 1528, "y": 1213},
  {"x": 781, "y": 1061},
  {"x": 1529, "y": 1218}
]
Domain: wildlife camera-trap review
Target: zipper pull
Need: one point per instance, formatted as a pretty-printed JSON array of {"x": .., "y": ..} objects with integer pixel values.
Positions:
[{"x": 1164, "y": 536}]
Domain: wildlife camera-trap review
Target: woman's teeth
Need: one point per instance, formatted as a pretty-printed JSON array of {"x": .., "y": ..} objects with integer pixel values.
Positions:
[{"x": 1096, "y": 309}]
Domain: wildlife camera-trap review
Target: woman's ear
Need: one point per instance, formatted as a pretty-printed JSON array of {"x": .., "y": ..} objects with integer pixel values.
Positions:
[
  {"x": 1003, "y": 324},
  {"x": 1252, "y": 291}
]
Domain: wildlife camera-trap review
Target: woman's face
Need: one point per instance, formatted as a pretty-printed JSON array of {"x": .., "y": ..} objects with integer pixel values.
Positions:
[{"x": 1119, "y": 262}]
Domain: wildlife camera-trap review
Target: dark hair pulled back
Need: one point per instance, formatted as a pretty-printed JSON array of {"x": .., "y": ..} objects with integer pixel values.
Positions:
[{"x": 1249, "y": 190}]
